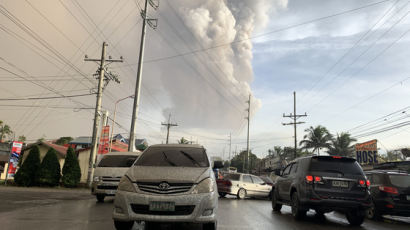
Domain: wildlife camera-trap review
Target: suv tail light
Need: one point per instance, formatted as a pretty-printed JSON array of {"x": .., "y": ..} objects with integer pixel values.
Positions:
[
  {"x": 391, "y": 190},
  {"x": 368, "y": 183},
  {"x": 318, "y": 180},
  {"x": 364, "y": 183},
  {"x": 309, "y": 179}
]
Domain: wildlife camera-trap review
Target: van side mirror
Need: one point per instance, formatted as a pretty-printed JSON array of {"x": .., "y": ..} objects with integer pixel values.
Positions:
[{"x": 218, "y": 164}]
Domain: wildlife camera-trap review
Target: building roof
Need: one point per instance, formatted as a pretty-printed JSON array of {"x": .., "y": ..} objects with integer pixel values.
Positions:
[
  {"x": 81, "y": 141},
  {"x": 62, "y": 150}
]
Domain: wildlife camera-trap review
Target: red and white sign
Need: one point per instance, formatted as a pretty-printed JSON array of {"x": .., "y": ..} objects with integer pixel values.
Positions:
[
  {"x": 14, "y": 158},
  {"x": 104, "y": 140}
]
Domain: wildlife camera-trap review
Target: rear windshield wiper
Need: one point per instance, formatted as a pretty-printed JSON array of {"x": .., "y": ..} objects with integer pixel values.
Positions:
[
  {"x": 190, "y": 158},
  {"x": 167, "y": 160}
]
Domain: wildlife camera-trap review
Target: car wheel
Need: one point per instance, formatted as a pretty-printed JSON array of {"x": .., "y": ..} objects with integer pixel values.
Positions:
[
  {"x": 123, "y": 225},
  {"x": 372, "y": 213},
  {"x": 100, "y": 198},
  {"x": 355, "y": 217},
  {"x": 241, "y": 193},
  {"x": 275, "y": 206},
  {"x": 222, "y": 194},
  {"x": 297, "y": 212},
  {"x": 209, "y": 226}
]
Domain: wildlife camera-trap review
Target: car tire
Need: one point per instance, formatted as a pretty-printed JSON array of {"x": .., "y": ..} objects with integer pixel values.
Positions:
[
  {"x": 275, "y": 206},
  {"x": 209, "y": 226},
  {"x": 123, "y": 225},
  {"x": 241, "y": 194},
  {"x": 372, "y": 213},
  {"x": 297, "y": 212},
  {"x": 100, "y": 198},
  {"x": 355, "y": 217},
  {"x": 222, "y": 194}
]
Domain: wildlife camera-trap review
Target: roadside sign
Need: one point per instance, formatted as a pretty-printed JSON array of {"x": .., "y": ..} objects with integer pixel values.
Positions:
[
  {"x": 14, "y": 158},
  {"x": 366, "y": 152},
  {"x": 104, "y": 140}
]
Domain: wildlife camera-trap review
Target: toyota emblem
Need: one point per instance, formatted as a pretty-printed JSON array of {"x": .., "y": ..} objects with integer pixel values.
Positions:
[{"x": 163, "y": 186}]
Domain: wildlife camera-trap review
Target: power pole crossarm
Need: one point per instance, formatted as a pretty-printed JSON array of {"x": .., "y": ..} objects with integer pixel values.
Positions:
[
  {"x": 169, "y": 125},
  {"x": 294, "y": 116}
]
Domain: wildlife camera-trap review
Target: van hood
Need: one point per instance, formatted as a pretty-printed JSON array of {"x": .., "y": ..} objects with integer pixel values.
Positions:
[
  {"x": 169, "y": 174},
  {"x": 110, "y": 171}
]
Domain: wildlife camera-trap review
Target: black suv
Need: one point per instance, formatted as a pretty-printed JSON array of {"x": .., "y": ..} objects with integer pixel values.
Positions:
[
  {"x": 390, "y": 193},
  {"x": 325, "y": 184}
]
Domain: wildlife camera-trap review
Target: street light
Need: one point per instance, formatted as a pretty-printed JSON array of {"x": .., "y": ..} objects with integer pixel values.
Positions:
[{"x": 113, "y": 120}]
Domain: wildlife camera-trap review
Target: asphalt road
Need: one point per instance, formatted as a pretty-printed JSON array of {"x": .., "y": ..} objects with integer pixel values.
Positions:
[{"x": 44, "y": 209}]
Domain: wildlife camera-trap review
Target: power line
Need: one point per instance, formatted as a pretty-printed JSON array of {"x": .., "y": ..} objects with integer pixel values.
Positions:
[{"x": 45, "y": 98}]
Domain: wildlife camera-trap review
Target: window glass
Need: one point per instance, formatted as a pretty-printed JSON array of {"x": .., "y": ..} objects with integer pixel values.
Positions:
[
  {"x": 232, "y": 177},
  {"x": 117, "y": 161},
  {"x": 287, "y": 170},
  {"x": 402, "y": 181},
  {"x": 246, "y": 179},
  {"x": 257, "y": 180},
  {"x": 335, "y": 165},
  {"x": 174, "y": 157},
  {"x": 294, "y": 168}
]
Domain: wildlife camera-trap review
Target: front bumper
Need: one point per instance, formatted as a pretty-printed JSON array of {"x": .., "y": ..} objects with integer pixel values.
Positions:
[
  {"x": 127, "y": 203},
  {"x": 104, "y": 188}
]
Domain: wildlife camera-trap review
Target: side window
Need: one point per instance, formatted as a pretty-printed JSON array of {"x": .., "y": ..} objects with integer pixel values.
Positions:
[
  {"x": 294, "y": 169},
  {"x": 246, "y": 179},
  {"x": 257, "y": 180},
  {"x": 377, "y": 179},
  {"x": 287, "y": 170}
]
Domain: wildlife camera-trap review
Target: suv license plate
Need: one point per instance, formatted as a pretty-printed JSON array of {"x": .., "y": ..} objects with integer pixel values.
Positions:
[
  {"x": 342, "y": 184},
  {"x": 408, "y": 197},
  {"x": 161, "y": 206},
  {"x": 111, "y": 192}
]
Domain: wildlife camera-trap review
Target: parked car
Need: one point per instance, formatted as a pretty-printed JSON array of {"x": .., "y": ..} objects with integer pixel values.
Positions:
[
  {"x": 325, "y": 184},
  {"x": 390, "y": 193},
  {"x": 168, "y": 183},
  {"x": 243, "y": 185},
  {"x": 108, "y": 173}
]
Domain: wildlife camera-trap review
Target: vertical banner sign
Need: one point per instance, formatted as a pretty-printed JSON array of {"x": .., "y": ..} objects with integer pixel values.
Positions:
[
  {"x": 104, "y": 140},
  {"x": 366, "y": 153},
  {"x": 14, "y": 158}
]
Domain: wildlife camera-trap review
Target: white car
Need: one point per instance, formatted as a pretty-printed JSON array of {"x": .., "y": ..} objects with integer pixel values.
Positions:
[
  {"x": 243, "y": 185},
  {"x": 168, "y": 183}
]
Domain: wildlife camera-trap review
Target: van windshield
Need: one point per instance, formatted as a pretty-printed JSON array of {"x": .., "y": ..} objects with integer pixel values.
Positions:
[
  {"x": 174, "y": 157},
  {"x": 118, "y": 161}
]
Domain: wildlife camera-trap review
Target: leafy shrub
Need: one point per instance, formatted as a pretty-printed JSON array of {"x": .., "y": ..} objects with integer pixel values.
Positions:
[
  {"x": 26, "y": 175},
  {"x": 71, "y": 169},
  {"x": 49, "y": 173}
]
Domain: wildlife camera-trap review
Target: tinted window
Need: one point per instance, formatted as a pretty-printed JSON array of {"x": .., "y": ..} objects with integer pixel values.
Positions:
[
  {"x": 402, "y": 181},
  {"x": 232, "y": 177},
  {"x": 294, "y": 168},
  {"x": 287, "y": 170},
  {"x": 343, "y": 166},
  {"x": 117, "y": 161},
  {"x": 247, "y": 179},
  {"x": 267, "y": 179},
  {"x": 377, "y": 179},
  {"x": 174, "y": 157},
  {"x": 257, "y": 180}
]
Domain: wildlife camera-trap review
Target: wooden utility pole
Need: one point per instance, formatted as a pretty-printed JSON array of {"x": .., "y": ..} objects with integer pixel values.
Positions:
[
  {"x": 169, "y": 125},
  {"x": 294, "y": 116}
]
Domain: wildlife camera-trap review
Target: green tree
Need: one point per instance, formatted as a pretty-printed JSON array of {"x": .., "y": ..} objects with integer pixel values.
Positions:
[
  {"x": 71, "y": 169},
  {"x": 26, "y": 175},
  {"x": 238, "y": 161},
  {"x": 342, "y": 145},
  {"x": 316, "y": 138},
  {"x": 50, "y": 171},
  {"x": 5, "y": 130},
  {"x": 22, "y": 138},
  {"x": 183, "y": 141},
  {"x": 64, "y": 140}
]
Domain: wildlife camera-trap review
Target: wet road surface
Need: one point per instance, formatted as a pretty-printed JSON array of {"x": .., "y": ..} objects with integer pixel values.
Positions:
[{"x": 46, "y": 209}]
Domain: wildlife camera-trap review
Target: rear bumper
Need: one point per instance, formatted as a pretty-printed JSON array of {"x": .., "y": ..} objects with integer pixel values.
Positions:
[
  {"x": 396, "y": 209},
  {"x": 335, "y": 204},
  {"x": 228, "y": 190}
]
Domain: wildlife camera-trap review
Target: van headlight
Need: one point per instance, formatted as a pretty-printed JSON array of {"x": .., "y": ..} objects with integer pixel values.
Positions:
[
  {"x": 96, "y": 179},
  {"x": 205, "y": 186},
  {"x": 126, "y": 185}
]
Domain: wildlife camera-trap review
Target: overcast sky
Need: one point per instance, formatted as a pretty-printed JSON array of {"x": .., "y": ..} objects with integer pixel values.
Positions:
[{"x": 347, "y": 61}]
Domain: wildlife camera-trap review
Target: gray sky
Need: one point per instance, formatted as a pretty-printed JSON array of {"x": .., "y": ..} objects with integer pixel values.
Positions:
[{"x": 346, "y": 60}]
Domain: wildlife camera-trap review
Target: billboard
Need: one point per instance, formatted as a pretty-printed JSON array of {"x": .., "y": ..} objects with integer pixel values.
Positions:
[
  {"x": 14, "y": 158},
  {"x": 366, "y": 152},
  {"x": 104, "y": 140}
]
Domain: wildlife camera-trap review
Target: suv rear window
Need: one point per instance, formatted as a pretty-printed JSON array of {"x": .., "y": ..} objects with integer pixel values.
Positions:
[
  {"x": 328, "y": 164},
  {"x": 402, "y": 181},
  {"x": 120, "y": 161},
  {"x": 174, "y": 157}
]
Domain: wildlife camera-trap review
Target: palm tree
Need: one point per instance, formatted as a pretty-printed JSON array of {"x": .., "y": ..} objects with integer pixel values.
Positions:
[
  {"x": 316, "y": 138},
  {"x": 183, "y": 141},
  {"x": 4, "y": 130},
  {"x": 342, "y": 145}
]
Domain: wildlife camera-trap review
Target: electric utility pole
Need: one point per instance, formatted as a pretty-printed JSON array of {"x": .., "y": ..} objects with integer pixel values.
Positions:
[
  {"x": 230, "y": 145},
  {"x": 169, "y": 125},
  {"x": 247, "y": 141},
  {"x": 294, "y": 116},
  {"x": 102, "y": 76},
  {"x": 153, "y": 24}
]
